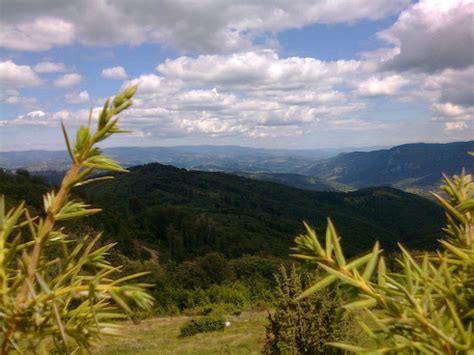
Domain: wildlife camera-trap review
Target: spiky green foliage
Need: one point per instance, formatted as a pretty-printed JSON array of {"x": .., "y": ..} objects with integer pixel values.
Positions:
[
  {"x": 71, "y": 300},
  {"x": 304, "y": 326},
  {"x": 428, "y": 306}
]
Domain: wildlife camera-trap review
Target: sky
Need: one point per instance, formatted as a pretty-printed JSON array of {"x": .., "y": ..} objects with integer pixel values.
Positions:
[{"x": 278, "y": 74}]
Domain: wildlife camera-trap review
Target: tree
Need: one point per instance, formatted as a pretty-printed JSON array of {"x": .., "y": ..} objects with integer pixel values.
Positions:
[
  {"x": 428, "y": 306},
  {"x": 304, "y": 326},
  {"x": 54, "y": 290}
]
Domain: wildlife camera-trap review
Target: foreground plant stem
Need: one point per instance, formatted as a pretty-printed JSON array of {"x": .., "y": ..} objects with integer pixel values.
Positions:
[
  {"x": 46, "y": 302},
  {"x": 42, "y": 235}
]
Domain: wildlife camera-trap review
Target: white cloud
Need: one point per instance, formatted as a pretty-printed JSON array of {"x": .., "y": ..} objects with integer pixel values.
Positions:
[
  {"x": 49, "y": 67},
  {"x": 450, "y": 110},
  {"x": 242, "y": 88},
  {"x": 114, "y": 73},
  {"x": 389, "y": 85},
  {"x": 433, "y": 35},
  {"x": 202, "y": 26},
  {"x": 251, "y": 94},
  {"x": 455, "y": 126},
  {"x": 68, "y": 80},
  {"x": 33, "y": 118},
  {"x": 38, "y": 34},
  {"x": 17, "y": 76},
  {"x": 77, "y": 98},
  {"x": 453, "y": 86},
  {"x": 257, "y": 70},
  {"x": 13, "y": 97}
]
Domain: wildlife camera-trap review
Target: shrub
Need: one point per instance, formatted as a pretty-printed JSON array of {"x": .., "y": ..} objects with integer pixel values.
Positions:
[
  {"x": 201, "y": 325},
  {"x": 304, "y": 326},
  {"x": 232, "y": 293},
  {"x": 426, "y": 307},
  {"x": 66, "y": 301}
]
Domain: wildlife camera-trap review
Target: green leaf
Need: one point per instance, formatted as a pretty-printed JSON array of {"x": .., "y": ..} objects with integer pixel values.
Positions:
[
  {"x": 370, "y": 267},
  {"x": 318, "y": 286},
  {"x": 337, "y": 246},
  {"x": 341, "y": 276},
  {"x": 68, "y": 143},
  {"x": 361, "y": 304},
  {"x": 82, "y": 138},
  {"x": 347, "y": 347},
  {"x": 450, "y": 208}
]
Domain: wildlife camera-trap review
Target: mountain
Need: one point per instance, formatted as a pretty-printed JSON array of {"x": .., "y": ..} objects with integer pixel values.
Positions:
[
  {"x": 221, "y": 158},
  {"x": 297, "y": 180},
  {"x": 413, "y": 167},
  {"x": 185, "y": 213}
]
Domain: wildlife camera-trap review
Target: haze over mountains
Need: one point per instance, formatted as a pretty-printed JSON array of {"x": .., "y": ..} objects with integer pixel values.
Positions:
[
  {"x": 199, "y": 157},
  {"x": 412, "y": 167}
]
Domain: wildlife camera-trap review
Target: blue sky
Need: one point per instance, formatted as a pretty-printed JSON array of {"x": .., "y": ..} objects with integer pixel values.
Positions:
[{"x": 271, "y": 74}]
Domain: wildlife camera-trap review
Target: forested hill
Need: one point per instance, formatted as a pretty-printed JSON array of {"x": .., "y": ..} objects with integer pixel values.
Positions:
[
  {"x": 21, "y": 186},
  {"x": 187, "y": 213},
  {"x": 415, "y": 166}
]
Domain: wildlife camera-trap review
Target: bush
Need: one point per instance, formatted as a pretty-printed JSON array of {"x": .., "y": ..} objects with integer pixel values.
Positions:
[
  {"x": 201, "y": 325},
  {"x": 304, "y": 326},
  {"x": 232, "y": 293},
  {"x": 425, "y": 307}
]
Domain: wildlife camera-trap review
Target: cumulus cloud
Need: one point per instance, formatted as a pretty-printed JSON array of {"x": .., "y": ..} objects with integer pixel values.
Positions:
[
  {"x": 248, "y": 94},
  {"x": 389, "y": 85},
  {"x": 234, "y": 83},
  {"x": 37, "y": 34},
  {"x": 256, "y": 70},
  {"x": 68, "y": 80},
  {"x": 17, "y": 76},
  {"x": 114, "y": 73},
  {"x": 451, "y": 110},
  {"x": 33, "y": 118},
  {"x": 49, "y": 67},
  {"x": 455, "y": 117},
  {"x": 452, "y": 86},
  {"x": 13, "y": 97},
  {"x": 77, "y": 98},
  {"x": 455, "y": 126},
  {"x": 182, "y": 25},
  {"x": 51, "y": 119},
  {"x": 432, "y": 35}
]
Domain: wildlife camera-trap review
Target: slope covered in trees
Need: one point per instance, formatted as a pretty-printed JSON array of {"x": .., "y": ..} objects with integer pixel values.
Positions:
[
  {"x": 21, "y": 186},
  {"x": 188, "y": 213}
]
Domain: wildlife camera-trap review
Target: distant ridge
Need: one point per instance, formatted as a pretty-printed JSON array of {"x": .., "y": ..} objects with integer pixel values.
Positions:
[
  {"x": 224, "y": 158},
  {"x": 414, "y": 167},
  {"x": 409, "y": 166}
]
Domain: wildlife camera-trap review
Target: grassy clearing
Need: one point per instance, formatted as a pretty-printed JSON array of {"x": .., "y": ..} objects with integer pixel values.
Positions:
[{"x": 245, "y": 335}]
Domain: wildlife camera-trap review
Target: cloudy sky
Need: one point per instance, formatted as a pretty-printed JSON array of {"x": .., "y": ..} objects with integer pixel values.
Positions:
[{"x": 285, "y": 74}]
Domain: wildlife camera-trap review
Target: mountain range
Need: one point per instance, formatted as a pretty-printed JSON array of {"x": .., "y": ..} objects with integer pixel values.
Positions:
[
  {"x": 414, "y": 168},
  {"x": 199, "y": 157},
  {"x": 411, "y": 167}
]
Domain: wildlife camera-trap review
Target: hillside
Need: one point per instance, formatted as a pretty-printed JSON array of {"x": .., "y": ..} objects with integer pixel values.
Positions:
[
  {"x": 415, "y": 167},
  {"x": 187, "y": 213},
  {"x": 21, "y": 186},
  {"x": 297, "y": 180}
]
